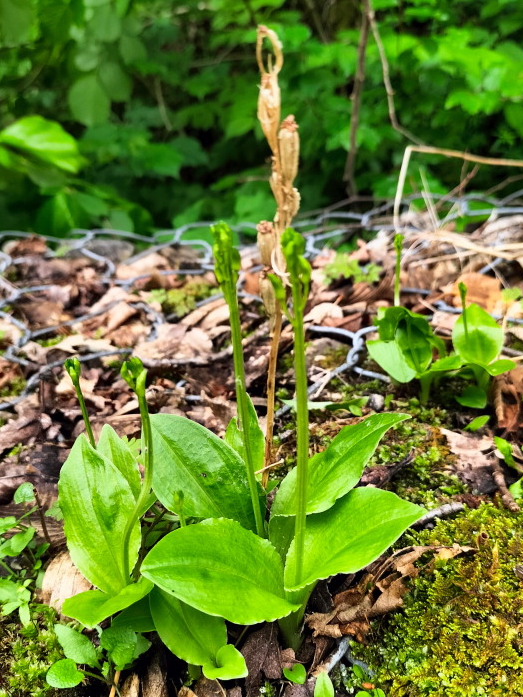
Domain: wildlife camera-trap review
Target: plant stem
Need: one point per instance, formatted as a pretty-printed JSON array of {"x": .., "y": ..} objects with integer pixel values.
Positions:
[
  {"x": 398, "y": 244},
  {"x": 271, "y": 392},
  {"x": 147, "y": 452},
  {"x": 302, "y": 428},
  {"x": 243, "y": 405}
]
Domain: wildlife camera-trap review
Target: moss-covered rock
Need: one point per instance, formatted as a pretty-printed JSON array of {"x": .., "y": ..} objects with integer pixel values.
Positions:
[{"x": 461, "y": 631}]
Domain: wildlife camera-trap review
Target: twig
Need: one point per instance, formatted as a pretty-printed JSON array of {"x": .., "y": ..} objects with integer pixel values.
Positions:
[
  {"x": 114, "y": 688},
  {"x": 369, "y": 10},
  {"x": 444, "y": 511},
  {"x": 356, "y": 97},
  {"x": 499, "y": 481},
  {"x": 42, "y": 518}
]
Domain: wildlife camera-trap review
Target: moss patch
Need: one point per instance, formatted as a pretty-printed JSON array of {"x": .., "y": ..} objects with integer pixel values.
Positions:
[{"x": 461, "y": 631}]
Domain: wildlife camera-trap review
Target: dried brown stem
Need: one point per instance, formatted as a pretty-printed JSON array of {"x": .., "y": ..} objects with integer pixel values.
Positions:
[
  {"x": 114, "y": 687},
  {"x": 271, "y": 392}
]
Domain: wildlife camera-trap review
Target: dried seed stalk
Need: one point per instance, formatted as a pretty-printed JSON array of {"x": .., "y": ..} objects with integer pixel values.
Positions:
[{"x": 284, "y": 141}]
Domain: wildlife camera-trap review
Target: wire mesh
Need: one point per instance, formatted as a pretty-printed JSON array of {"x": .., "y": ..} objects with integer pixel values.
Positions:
[{"x": 321, "y": 228}]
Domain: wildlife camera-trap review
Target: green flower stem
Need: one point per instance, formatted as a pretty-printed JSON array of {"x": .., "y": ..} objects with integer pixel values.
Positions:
[
  {"x": 302, "y": 428},
  {"x": 398, "y": 244},
  {"x": 463, "y": 296},
  {"x": 147, "y": 452},
  {"x": 74, "y": 369},
  {"x": 243, "y": 405}
]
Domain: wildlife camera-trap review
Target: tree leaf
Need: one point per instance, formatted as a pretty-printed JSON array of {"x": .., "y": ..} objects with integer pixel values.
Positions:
[
  {"x": 45, "y": 140},
  {"x": 92, "y": 607},
  {"x": 88, "y": 101},
  {"x": 484, "y": 339},
  {"x": 230, "y": 664},
  {"x": 96, "y": 500},
  {"x": 117, "y": 451},
  {"x": 17, "y": 18},
  {"x": 336, "y": 470},
  {"x": 63, "y": 674},
  {"x": 351, "y": 534},
  {"x": 116, "y": 82},
  {"x": 76, "y": 645},
  {"x": 221, "y": 568},
  {"x": 189, "y": 458},
  {"x": 193, "y": 636}
]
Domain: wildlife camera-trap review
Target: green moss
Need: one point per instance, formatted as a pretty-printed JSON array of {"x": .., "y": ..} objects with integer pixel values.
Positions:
[
  {"x": 52, "y": 341},
  {"x": 460, "y": 633},
  {"x": 15, "y": 387},
  {"x": 26, "y": 654},
  {"x": 181, "y": 301}
]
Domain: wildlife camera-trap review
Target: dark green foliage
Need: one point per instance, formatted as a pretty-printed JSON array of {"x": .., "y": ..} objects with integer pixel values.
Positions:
[
  {"x": 162, "y": 97},
  {"x": 460, "y": 632}
]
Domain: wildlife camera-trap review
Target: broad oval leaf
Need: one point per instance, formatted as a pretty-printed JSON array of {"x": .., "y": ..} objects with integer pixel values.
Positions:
[
  {"x": 389, "y": 356},
  {"x": 96, "y": 501},
  {"x": 76, "y": 645},
  {"x": 193, "y": 636},
  {"x": 220, "y": 568},
  {"x": 63, "y": 674},
  {"x": 351, "y": 534},
  {"x": 117, "y": 451},
  {"x": 92, "y": 607},
  {"x": 229, "y": 664},
  {"x": 484, "y": 338},
  {"x": 188, "y": 458},
  {"x": 501, "y": 366},
  {"x": 337, "y": 469}
]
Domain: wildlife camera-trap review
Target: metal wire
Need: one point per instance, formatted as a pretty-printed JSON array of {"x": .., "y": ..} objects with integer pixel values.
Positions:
[{"x": 320, "y": 229}]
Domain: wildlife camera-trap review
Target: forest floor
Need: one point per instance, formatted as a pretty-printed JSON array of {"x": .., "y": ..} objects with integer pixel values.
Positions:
[{"x": 163, "y": 305}]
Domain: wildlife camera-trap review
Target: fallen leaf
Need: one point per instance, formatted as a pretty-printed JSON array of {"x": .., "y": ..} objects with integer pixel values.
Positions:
[
  {"x": 61, "y": 581},
  {"x": 175, "y": 341},
  {"x": 473, "y": 463},
  {"x": 507, "y": 390}
]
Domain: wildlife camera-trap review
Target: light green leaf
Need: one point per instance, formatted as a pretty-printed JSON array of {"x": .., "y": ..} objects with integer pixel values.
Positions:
[
  {"x": 221, "y": 568},
  {"x": 234, "y": 437},
  {"x": 351, "y": 534},
  {"x": 7, "y": 523},
  {"x": 389, "y": 356},
  {"x": 123, "y": 645},
  {"x": 45, "y": 140},
  {"x": 88, "y": 101},
  {"x": 212, "y": 476},
  {"x": 230, "y": 664},
  {"x": 16, "y": 544},
  {"x": 105, "y": 24},
  {"x": 337, "y": 469},
  {"x": 473, "y": 397},
  {"x": 96, "y": 501},
  {"x": 296, "y": 674},
  {"x": 132, "y": 50},
  {"x": 484, "y": 340},
  {"x": 323, "y": 686},
  {"x": 92, "y": 607},
  {"x": 76, "y": 646},
  {"x": 117, "y": 451},
  {"x": 193, "y": 636},
  {"x": 477, "y": 423},
  {"x": 25, "y": 493},
  {"x": 64, "y": 674},
  {"x": 12, "y": 596},
  {"x": 501, "y": 366}
]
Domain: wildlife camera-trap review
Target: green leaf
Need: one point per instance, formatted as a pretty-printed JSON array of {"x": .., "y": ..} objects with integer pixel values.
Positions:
[
  {"x": 116, "y": 82},
  {"x": 501, "y": 366},
  {"x": 193, "y": 636},
  {"x": 64, "y": 674},
  {"x": 88, "y": 101},
  {"x": 123, "y": 645},
  {"x": 229, "y": 665},
  {"x": 160, "y": 158},
  {"x": 16, "y": 21},
  {"x": 7, "y": 523},
  {"x": 105, "y": 24},
  {"x": 92, "y": 607},
  {"x": 473, "y": 397},
  {"x": 221, "y": 568},
  {"x": 505, "y": 448},
  {"x": 296, "y": 674},
  {"x": 211, "y": 475},
  {"x": 17, "y": 543},
  {"x": 323, "y": 686},
  {"x": 389, "y": 356},
  {"x": 117, "y": 451},
  {"x": 137, "y": 617},
  {"x": 484, "y": 340},
  {"x": 96, "y": 501},
  {"x": 12, "y": 595},
  {"x": 336, "y": 470},
  {"x": 25, "y": 493},
  {"x": 45, "y": 140},
  {"x": 351, "y": 534},
  {"x": 234, "y": 437},
  {"x": 76, "y": 646},
  {"x": 477, "y": 423}
]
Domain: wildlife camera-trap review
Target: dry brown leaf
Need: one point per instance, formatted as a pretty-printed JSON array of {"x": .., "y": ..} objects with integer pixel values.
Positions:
[
  {"x": 147, "y": 265},
  {"x": 473, "y": 463},
  {"x": 175, "y": 341},
  {"x": 319, "y": 313},
  {"x": 197, "y": 315},
  {"x": 507, "y": 392},
  {"x": 481, "y": 289},
  {"x": 154, "y": 682},
  {"x": 62, "y": 580},
  {"x": 131, "y": 687}
]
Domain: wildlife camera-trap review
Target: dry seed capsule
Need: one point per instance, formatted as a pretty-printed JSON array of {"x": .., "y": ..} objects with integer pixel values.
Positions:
[
  {"x": 289, "y": 142},
  {"x": 269, "y": 299},
  {"x": 266, "y": 241},
  {"x": 269, "y": 109}
]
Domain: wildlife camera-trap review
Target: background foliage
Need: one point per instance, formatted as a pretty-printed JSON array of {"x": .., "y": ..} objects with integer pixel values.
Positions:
[{"x": 159, "y": 97}]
